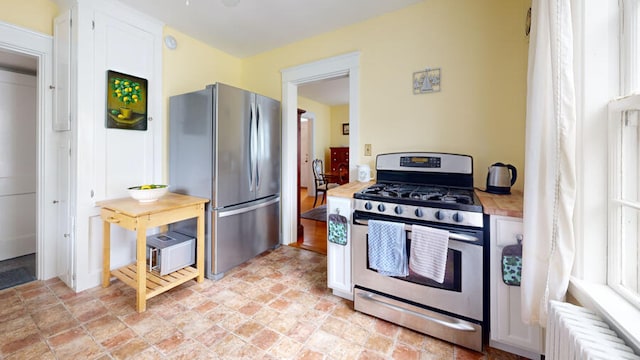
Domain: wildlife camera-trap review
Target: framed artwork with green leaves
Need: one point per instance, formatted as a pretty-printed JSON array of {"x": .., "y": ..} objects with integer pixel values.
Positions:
[{"x": 126, "y": 101}]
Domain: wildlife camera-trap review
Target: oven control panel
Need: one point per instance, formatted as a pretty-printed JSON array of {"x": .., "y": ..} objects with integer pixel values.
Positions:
[
  {"x": 421, "y": 161},
  {"x": 420, "y": 213}
]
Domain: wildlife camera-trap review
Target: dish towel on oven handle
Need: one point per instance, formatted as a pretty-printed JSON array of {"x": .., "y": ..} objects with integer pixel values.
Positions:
[
  {"x": 338, "y": 226},
  {"x": 387, "y": 248},
  {"x": 429, "y": 249}
]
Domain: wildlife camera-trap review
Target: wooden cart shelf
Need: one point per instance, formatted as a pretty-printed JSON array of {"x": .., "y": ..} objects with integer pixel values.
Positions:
[
  {"x": 135, "y": 216},
  {"x": 156, "y": 284}
]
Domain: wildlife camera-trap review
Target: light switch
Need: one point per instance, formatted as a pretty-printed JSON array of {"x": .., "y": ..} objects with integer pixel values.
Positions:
[{"x": 367, "y": 149}]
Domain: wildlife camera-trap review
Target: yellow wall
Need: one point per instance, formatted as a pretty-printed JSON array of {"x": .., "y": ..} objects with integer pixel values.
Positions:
[
  {"x": 194, "y": 65},
  {"x": 482, "y": 51},
  {"x": 479, "y": 45},
  {"x": 191, "y": 66},
  {"x": 321, "y": 127},
  {"x": 339, "y": 116},
  {"x": 36, "y": 15}
]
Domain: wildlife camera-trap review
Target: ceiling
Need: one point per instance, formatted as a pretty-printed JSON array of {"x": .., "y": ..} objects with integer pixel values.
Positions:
[
  {"x": 254, "y": 26},
  {"x": 330, "y": 92}
]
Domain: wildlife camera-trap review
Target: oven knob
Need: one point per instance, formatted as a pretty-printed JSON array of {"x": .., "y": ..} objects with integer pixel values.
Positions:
[
  {"x": 381, "y": 208},
  {"x": 398, "y": 210},
  {"x": 439, "y": 215},
  {"x": 368, "y": 205},
  {"x": 457, "y": 217},
  {"x": 419, "y": 212}
]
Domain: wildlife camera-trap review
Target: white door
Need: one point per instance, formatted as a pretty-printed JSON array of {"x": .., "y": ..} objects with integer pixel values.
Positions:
[
  {"x": 128, "y": 155},
  {"x": 18, "y": 164},
  {"x": 62, "y": 126},
  {"x": 64, "y": 245},
  {"x": 124, "y": 157}
]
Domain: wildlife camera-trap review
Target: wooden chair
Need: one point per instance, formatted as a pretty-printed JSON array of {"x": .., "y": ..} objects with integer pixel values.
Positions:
[{"x": 322, "y": 184}]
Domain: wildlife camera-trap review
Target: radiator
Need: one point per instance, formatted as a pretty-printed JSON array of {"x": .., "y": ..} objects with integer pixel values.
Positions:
[{"x": 574, "y": 332}]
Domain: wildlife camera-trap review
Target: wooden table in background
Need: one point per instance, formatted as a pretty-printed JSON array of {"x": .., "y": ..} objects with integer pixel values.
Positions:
[{"x": 135, "y": 216}]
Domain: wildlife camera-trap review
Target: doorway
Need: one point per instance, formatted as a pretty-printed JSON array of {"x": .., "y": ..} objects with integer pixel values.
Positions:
[
  {"x": 339, "y": 66},
  {"x": 38, "y": 47},
  {"x": 19, "y": 171}
]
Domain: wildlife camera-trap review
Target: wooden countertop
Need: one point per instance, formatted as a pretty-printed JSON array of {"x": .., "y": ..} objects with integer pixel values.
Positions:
[
  {"x": 347, "y": 190},
  {"x": 132, "y": 207},
  {"x": 492, "y": 204},
  {"x": 504, "y": 205}
]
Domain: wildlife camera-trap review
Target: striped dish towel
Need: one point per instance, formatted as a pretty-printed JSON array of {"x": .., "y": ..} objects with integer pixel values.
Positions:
[
  {"x": 429, "y": 252},
  {"x": 387, "y": 247}
]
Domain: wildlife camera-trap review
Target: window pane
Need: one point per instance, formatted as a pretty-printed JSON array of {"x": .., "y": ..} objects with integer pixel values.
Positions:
[
  {"x": 629, "y": 163},
  {"x": 629, "y": 255},
  {"x": 630, "y": 51}
]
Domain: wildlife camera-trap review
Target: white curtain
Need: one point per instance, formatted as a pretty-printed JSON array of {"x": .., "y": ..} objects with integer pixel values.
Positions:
[{"x": 549, "y": 191}]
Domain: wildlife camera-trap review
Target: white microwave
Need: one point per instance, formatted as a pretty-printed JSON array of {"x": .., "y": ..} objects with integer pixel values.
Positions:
[{"x": 170, "y": 251}]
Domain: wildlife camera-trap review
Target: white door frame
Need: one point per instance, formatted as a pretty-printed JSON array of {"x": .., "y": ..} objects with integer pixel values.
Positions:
[
  {"x": 39, "y": 45},
  {"x": 338, "y": 66}
]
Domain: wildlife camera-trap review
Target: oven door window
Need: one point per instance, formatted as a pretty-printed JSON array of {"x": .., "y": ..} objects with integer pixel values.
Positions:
[{"x": 452, "y": 277}]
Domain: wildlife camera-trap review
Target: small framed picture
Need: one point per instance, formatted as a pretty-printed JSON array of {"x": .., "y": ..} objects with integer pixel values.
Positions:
[{"x": 345, "y": 129}]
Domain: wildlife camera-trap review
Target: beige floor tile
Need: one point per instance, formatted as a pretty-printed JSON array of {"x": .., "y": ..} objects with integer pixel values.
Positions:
[
  {"x": 322, "y": 341},
  {"x": 18, "y": 341},
  {"x": 283, "y": 323},
  {"x": 118, "y": 339},
  {"x": 104, "y": 327},
  {"x": 405, "y": 352},
  {"x": 191, "y": 323},
  {"x": 39, "y": 350},
  {"x": 276, "y": 306},
  {"x": 131, "y": 350},
  {"x": 227, "y": 345},
  {"x": 249, "y": 329},
  {"x": 265, "y": 339},
  {"x": 379, "y": 343},
  {"x": 75, "y": 343},
  {"x": 210, "y": 337},
  {"x": 172, "y": 342}
]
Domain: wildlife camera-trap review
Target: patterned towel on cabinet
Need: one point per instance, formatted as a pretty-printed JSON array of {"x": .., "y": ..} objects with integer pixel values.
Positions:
[
  {"x": 512, "y": 264},
  {"x": 338, "y": 227}
]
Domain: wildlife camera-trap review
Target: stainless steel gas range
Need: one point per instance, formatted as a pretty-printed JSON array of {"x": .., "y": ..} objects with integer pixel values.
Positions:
[{"x": 433, "y": 191}]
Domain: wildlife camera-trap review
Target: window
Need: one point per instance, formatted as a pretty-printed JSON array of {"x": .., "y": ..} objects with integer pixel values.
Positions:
[
  {"x": 624, "y": 198},
  {"x": 623, "y": 272}
]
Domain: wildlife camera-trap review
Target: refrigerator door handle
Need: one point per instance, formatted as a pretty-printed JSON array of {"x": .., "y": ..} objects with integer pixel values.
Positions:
[
  {"x": 259, "y": 146},
  {"x": 222, "y": 214},
  {"x": 251, "y": 147}
]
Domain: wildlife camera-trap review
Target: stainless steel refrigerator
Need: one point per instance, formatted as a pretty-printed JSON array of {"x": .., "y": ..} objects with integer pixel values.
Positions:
[{"x": 224, "y": 145}]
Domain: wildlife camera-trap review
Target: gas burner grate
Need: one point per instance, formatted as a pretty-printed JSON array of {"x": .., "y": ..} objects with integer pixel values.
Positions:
[{"x": 420, "y": 193}]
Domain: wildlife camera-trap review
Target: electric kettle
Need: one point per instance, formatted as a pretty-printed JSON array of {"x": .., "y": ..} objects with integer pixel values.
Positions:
[
  {"x": 364, "y": 173},
  {"x": 500, "y": 178}
]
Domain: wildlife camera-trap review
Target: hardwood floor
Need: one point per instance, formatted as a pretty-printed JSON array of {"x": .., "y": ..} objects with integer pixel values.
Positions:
[{"x": 315, "y": 232}]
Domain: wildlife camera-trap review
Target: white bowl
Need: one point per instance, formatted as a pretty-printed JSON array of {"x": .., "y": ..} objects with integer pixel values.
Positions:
[{"x": 148, "y": 193}]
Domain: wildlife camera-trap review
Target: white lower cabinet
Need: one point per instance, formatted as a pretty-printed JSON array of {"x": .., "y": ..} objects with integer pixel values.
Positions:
[
  {"x": 508, "y": 332},
  {"x": 339, "y": 256}
]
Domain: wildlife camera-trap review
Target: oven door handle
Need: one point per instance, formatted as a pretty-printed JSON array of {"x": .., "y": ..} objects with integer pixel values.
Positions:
[
  {"x": 452, "y": 236},
  {"x": 447, "y": 321}
]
